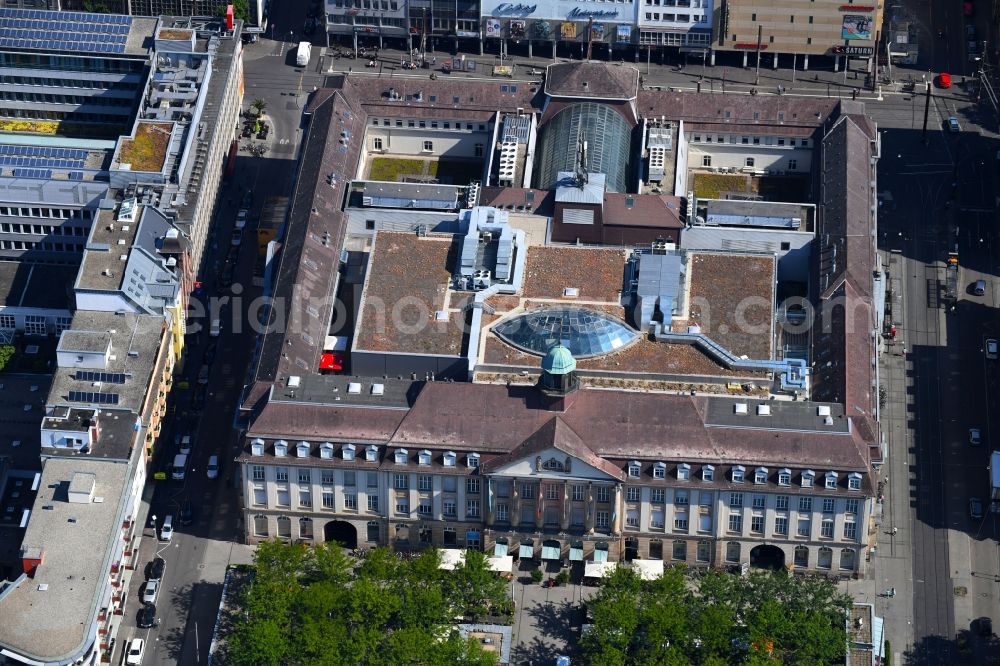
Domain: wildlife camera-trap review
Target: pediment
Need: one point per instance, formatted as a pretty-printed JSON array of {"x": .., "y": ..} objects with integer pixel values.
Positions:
[{"x": 554, "y": 451}]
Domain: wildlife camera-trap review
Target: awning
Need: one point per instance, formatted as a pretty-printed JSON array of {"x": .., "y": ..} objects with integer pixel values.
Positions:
[
  {"x": 527, "y": 550},
  {"x": 501, "y": 564},
  {"x": 599, "y": 569},
  {"x": 451, "y": 558},
  {"x": 576, "y": 554},
  {"x": 648, "y": 569},
  {"x": 550, "y": 552},
  {"x": 600, "y": 555},
  {"x": 500, "y": 550}
]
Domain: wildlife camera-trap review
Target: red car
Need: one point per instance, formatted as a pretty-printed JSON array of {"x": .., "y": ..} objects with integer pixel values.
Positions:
[{"x": 944, "y": 80}]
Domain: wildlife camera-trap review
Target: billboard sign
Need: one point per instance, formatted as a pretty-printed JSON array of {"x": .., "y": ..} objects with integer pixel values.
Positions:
[
  {"x": 517, "y": 29},
  {"x": 567, "y": 30},
  {"x": 856, "y": 26},
  {"x": 492, "y": 28}
]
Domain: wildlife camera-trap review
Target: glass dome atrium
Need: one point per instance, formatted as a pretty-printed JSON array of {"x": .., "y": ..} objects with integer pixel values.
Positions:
[
  {"x": 584, "y": 332},
  {"x": 608, "y": 140}
]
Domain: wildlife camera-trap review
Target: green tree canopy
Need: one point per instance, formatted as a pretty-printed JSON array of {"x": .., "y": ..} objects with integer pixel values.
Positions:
[
  {"x": 381, "y": 612},
  {"x": 760, "y": 619},
  {"x": 6, "y": 354}
]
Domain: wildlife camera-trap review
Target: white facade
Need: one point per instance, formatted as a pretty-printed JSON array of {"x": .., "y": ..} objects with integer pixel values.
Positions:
[
  {"x": 426, "y": 138},
  {"x": 689, "y": 516},
  {"x": 34, "y": 321},
  {"x": 748, "y": 153},
  {"x": 675, "y": 15}
]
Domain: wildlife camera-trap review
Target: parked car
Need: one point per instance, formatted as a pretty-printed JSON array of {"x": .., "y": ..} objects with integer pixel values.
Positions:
[
  {"x": 975, "y": 508},
  {"x": 944, "y": 80},
  {"x": 237, "y": 237},
  {"x": 156, "y": 568},
  {"x": 146, "y": 617},
  {"x": 241, "y": 218},
  {"x": 167, "y": 529},
  {"x": 203, "y": 374},
  {"x": 979, "y": 287},
  {"x": 975, "y": 436},
  {"x": 991, "y": 349},
  {"x": 212, "y": 471},
  {"x": 953, "y": 125},
  {"x": 136, "y": 648},
  {"x": 150, "y": 591},
  {"x": 186, "y": 515},
  {"x": 198, "y": 399}
]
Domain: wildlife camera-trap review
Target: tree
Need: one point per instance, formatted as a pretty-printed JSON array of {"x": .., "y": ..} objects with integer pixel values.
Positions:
[
  {"x": 474, "y": 588},
  {"x": 760, "y": 619},
  {"x": 241, "y": 10},
  {"x": 383, "y": 612},
  {"x": 6, "y": 354},
  {"x": 259, "y": 105}
]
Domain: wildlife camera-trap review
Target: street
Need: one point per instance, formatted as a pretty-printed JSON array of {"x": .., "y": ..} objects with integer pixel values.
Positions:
[{"x": 944, "y": 567}]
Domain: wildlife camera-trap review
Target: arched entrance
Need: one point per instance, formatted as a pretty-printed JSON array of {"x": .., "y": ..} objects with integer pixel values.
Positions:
[
  {"x": 767, "y": 557},
  {"x": 342, "y": 532}
]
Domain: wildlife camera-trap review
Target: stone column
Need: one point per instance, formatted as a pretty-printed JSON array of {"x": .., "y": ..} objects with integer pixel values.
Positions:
[
  {"x": 775, "y": 63},
  {"x": 588, "y": 520},
  {"x": 553, "y": 50},
  {"x": 746, "y": 58},
  {"x": 711, "y": 60},
  {"x": 616, "y": 527},
  {"x": 836, "y": 63},
  {"x": 529, "y": 48},
  {"x": 805, "y": 63},
  {"x": 489, "y": 501},
  {"x": 515, "y": 516},
  {"x": 566, "y": 507}
]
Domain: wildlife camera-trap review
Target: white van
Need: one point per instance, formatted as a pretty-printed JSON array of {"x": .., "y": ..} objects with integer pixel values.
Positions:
[
  {"x": 303, "y": 54},
  {"x": 212, "y": 471},
  {"x": 185, "y": 445},
  {"x": 180, "y": 467},
  {"x": 167, "y": 530},
  {"x": 216, "y": 327}
]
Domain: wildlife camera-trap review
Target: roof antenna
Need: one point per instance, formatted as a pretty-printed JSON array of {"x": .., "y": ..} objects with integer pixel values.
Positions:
[{"x": 581, "y": 166}]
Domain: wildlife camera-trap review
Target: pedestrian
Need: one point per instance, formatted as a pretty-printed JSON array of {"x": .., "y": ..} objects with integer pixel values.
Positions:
[{"x": 894, "y": 530}]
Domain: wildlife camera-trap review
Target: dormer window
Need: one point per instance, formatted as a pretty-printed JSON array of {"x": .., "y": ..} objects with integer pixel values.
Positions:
[
  {"x": 808, "y": 476},
  {"x": 660, "y": 470},
  {"x": 326, "y": 450},
  {"x": 257, "y": 447},
  {"x": 347, "y": 451},
  {"x": 424, "y": 457},
  {"x": 784, "y": 477},
  {"x": 302, "y": 449},
  {"x": 634, "y": 468},
  {"x": 280, "y": 448},
  {"x": 760, "y": 475},
  {"x": 738, "y": 473},
  {"x": 472, "y": 460},
  {"x": 450, "y": 458},
  {"x": 400, "y": 456},
  {"x": 708, "y": 473},
  {"x": 371, "y": 453},
  {"x": 684, "y": 472},
  {"x": 831, "y": 480},
  {"x": 854, "y": 481}
]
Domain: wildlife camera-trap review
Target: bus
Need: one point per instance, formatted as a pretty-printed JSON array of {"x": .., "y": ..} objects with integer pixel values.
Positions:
[
  {"x": 303, "y": 54},
  {"x": 995, "y": 482}
]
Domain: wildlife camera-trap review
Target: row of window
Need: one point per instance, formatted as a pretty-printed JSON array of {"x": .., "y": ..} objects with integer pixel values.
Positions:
[
  {"x": 50, "y": 98},
  {"x": 52, "y": 82},
  {"x": 677, "y": 18},
  {"x": 655, "y": 548},
  {"x": 803, "y": 527},
  {"x": 752, "y": 140},
  {"x": 98, "y": 65},
  {"x": 384, "y": 5},
  {"x": 51, "y": 213},
  {"x": 434, "y": 124},
  {"x": 793, "y": 165},
  {"x": 428, "y": 147},
  {"x": 44, "y": 245},
  {"x": 382, "y": 21},
  {"x": 50, "y": 114},
  {"x": 42, "y": 229},
  {"x": 738, "y": 474},
  {"x": 703, "y": 38},
  {"x": 35, "y": 324},
  {"x": 677, "y": 3},
  {"x": 770, "y": 39}
]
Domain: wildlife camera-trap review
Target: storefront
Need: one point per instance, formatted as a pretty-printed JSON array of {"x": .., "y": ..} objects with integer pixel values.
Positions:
[{"x": 565, "y": 25}]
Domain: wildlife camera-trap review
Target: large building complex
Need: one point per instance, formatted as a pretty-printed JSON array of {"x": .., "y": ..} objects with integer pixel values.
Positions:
[
  {"x": 604, "y": 354},
  {"x": 115, "y": 135}
]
